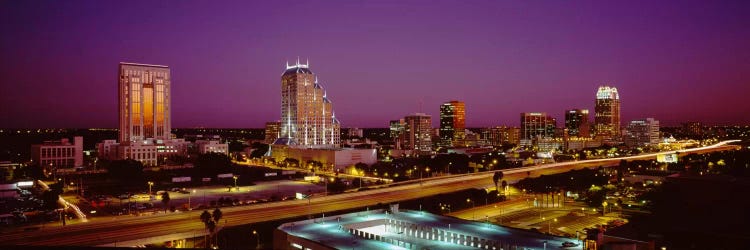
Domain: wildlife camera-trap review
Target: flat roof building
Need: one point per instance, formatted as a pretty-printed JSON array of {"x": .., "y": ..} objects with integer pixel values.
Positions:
[
  {"x": 418, "y": 132},
  {"x": 380, "y": 229},
  {"x": 537, "y": 125},
  {"x": 58, "y": 154},
  {"x": 452, "y": 123}
]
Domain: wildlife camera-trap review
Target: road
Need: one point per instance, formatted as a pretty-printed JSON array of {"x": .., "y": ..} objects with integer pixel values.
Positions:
[{"x": 121, "y": 229}]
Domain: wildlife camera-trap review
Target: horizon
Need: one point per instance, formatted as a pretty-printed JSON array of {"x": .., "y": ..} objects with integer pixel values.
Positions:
[{"x": 379, "y": 61}]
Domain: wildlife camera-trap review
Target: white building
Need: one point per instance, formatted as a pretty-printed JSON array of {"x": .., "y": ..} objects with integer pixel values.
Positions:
[
  {"x": 58, "y": 154},
  {"x": 148, "y": 152},
  {"x": 211, "y": 146}
]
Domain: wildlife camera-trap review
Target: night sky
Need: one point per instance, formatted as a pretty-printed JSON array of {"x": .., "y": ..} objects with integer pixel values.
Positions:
[{"x": 378, "y": 60}]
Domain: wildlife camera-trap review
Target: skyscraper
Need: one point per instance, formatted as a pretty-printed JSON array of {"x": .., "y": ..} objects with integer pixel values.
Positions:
[
  {"x": 417, "y": 132},
  {"x": 607, "y": 117},
  {"x": 577, "y": 122},
  {"x": 452, "y": 123},
  {"x": 307, "y": 117},
  {"x": 144, "y": 102},
  {"x": 537, "y": 125}
]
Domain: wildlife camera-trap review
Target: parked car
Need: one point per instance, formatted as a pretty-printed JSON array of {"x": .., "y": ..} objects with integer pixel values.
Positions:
[{"x": 569, "y": 244}]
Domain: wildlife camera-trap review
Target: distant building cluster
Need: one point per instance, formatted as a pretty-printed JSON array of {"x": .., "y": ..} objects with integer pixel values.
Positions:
[{"x": 413, "y": 135}]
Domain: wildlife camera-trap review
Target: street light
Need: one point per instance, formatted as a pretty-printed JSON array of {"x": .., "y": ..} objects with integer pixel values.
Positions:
[
  {"x": 150, "y": 184},
  {"x": 235, "y": 182},
  {"x": 189, "y": 195},
  {"x": 257, "y": 237}
]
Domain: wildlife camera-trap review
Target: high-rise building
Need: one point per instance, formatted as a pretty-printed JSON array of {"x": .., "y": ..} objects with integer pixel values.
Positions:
[
  {"x": 272, "y": 131},
  {"x": 307, "y": 117},
  {"x": 417, "y": 132},
  {"x": 577, "y": 122},
  {"x": 535, "y": 125},
  {"x": 397, "y": 132},
  {"x": 452, "y": 123},
  {"x": 607, "y": 117},
  {"x": 642, "y": 133},
  {"x": 144, "y": 102},
  {"x": 144, "y": 106}
]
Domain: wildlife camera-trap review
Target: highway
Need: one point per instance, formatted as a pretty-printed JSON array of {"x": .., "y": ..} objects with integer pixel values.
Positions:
[{"x": 109, "y": 230}]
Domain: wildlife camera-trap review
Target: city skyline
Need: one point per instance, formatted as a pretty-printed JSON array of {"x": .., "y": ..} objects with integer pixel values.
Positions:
[{"x": 675, "y": 66}]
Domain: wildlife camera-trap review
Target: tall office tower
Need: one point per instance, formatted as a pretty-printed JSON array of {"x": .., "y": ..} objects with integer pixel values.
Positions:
[
  {"x": 537, "y": 125},
  {"x": 397, "y": 132},
  {"x": 607, "y": 117},
  {"x": 307, "y": 117},
  {"x": 577, "y": 122},
  {"x": 642, "y": 133},
  {"x": 272, "y": 131},
  {"x": 417, "y": 132},
  {"x": 452, "y": 123},
  {"x": 144, "y": 102}
]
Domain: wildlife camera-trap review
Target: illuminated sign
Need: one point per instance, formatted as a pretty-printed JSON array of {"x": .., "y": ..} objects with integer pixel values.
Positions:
[
  {"x": 667, "y": 158},
  {"x": 25, "y": 184}
]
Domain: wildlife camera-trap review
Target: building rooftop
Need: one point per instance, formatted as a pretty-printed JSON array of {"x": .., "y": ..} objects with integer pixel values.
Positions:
[
  {"x": 339, "y": 232},
  {"x": 143, "y": 64}
]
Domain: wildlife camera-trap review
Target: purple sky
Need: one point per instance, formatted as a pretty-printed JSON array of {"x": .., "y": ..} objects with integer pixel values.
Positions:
[{"x": 378, "y": 59}]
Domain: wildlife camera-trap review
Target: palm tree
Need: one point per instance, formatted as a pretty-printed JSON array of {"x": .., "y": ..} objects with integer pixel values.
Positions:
[
  {"x": 205, "y": 217},
  {"x": 496, "y": 178},
  {"x": 216, "y": 215},
  {"x": 165, "y": 199}
]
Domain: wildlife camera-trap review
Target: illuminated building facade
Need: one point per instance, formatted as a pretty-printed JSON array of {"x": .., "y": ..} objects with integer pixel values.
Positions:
[
  {"x": 452, "y": 123},
  {"x": 272, "y": 131},
  {"x": 497, "y": 136},
  {"x": 397, "y": 132},
  {"x": 307, "y": 117},
  {"x": 643, "y": 132},
  {"x": 577, "y": 122},
  {"x": 417, "y": 132},
  {"x": 607, "y": 117},
  {"x": 535, "y": 125},
  {"x": 144, "y": 102}
]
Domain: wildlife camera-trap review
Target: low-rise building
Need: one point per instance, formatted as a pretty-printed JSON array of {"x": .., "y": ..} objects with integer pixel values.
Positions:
[
  {"x": 58, "y": 154},
  {"x": 149, "y": 152},
  {"x": 330, "y": 158},
  {"x": 211, "y": 146},
  {"x": 394, "y": 229}
]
